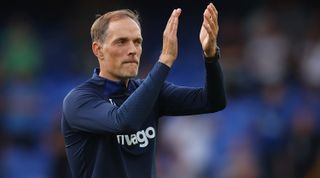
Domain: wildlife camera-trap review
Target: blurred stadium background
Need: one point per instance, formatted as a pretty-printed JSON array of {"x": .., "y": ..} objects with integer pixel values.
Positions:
[{"x": 271, "y": 63}]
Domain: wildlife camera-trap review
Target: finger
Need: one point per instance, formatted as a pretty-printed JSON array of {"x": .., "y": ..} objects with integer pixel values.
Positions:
[
  {"x": 175, "y": 21},
  {"x": 213, "y": 8},
  {"x": 208, "y": 29},
  {"x": 212, "y": 32},
  {"x": 213, "y": 12},
  {"x": 210, "y": 10},
  {"x": 170, "y": 20},
  {"x": 209, "y": 22}
]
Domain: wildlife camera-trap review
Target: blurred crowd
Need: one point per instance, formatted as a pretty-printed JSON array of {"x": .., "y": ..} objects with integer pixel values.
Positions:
[{"x": 271, "y": 63}]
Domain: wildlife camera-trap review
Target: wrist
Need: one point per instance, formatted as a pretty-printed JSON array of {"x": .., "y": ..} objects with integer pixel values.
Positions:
[
  {"x": 211, "y": 52},
  {"x": 215, "y": 56},
  {"x": 167, "y": 60}
]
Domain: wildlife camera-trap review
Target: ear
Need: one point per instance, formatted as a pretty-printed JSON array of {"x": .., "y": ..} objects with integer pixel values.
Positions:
[{"x": 96, "y": 48}]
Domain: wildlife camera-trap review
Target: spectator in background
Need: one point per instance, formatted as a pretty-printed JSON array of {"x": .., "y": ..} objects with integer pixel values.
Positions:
[{"x": 22, "y": 122}]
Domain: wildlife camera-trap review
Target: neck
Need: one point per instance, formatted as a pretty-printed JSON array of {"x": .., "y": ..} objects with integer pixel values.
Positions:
[{"x": 123, "y": 81}]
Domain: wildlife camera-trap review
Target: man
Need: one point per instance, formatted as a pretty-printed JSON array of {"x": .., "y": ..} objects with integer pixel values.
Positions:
[{"x": 110, "y": 121}]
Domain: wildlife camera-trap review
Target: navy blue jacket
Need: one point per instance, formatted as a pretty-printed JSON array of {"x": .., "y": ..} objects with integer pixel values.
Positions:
[{"x": 110, "y": 130}]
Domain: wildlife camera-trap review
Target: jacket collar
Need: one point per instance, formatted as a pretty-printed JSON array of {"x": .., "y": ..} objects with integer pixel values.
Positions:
[{"x": 110, "y": 87}]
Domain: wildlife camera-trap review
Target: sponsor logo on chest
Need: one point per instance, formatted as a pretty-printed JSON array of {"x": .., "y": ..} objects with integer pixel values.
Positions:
[{"x": 142, "y": 138}]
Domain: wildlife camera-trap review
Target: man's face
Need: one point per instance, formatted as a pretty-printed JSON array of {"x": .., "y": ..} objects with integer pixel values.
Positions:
[{"x": 121, "y": 50}]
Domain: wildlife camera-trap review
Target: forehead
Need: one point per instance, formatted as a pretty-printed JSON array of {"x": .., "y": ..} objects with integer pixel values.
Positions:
[{"x": 124, "y": 27}]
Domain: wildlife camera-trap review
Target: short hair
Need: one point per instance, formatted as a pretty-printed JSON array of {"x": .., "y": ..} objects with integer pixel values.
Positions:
[{"x": 100, "y": 26}]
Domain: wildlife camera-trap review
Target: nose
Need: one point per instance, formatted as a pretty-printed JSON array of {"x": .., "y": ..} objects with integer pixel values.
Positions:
[{"x": 132, "y": 48}]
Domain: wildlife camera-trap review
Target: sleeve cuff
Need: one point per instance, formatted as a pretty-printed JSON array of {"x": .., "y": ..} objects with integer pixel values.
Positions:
[{"x": 216, "y": 57}]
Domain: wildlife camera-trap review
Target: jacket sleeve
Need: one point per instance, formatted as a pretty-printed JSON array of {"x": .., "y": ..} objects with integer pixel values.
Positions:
[
  {"x": 88, "y": 112},
  {"x": 178, "y": 100}
]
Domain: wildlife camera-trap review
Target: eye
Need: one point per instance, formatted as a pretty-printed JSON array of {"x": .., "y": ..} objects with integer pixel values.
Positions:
[
  {"x": 120, "y": 41},
  {"x": 138, "y": 42}
]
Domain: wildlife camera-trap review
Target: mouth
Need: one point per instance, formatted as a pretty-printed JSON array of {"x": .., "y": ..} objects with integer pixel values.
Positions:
[{"x": 131, "y": 62}]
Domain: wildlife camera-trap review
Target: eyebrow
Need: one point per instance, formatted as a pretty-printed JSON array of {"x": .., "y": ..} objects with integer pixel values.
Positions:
[{"x": 126, "y": 39}]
